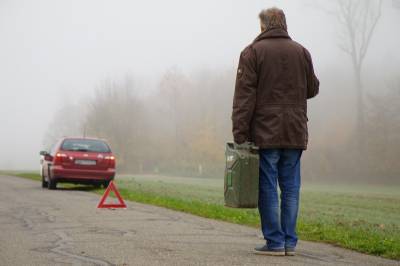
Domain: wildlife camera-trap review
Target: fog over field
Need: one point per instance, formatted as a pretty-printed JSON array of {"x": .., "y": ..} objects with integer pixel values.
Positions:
[{"x": 156, "y": 79}]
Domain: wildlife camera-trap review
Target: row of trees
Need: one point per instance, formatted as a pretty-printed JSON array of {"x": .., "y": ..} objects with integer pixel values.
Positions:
[{"x": 183, "y": 126}]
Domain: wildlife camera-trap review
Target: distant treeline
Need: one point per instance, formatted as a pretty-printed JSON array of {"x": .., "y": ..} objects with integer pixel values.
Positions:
[{"x": 182, "y": 128}]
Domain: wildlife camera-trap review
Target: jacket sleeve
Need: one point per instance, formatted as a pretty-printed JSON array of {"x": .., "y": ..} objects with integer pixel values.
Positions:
[
  {"x": 312, "y": 80},
  {"x": 244, "y": 99}
]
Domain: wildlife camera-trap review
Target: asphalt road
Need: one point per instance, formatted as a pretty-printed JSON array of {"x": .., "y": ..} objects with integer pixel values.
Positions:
[{"x": 63, "y": 227}]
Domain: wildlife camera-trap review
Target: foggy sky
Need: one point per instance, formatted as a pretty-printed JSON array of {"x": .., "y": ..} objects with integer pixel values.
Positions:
[{"x": 55, "y": 51}]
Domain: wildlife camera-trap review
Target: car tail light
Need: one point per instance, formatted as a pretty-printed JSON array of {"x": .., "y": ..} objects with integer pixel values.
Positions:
[
  {"x": 60, "y": 157},
  {"x": 111, "y": 160}
]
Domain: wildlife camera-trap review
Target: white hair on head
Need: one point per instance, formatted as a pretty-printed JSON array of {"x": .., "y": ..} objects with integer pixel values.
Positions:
[{"x": 273, "y": 18}]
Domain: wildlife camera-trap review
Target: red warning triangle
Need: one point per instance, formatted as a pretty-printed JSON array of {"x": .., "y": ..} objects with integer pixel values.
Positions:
[{"x": 112, "y": 187}]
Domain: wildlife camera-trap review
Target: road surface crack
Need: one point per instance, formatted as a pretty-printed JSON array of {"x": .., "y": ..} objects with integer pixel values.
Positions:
[{"x": 64, "y": 242}]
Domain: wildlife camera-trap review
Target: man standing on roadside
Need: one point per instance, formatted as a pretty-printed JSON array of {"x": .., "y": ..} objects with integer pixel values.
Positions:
[{"x": 275, "y": 77}]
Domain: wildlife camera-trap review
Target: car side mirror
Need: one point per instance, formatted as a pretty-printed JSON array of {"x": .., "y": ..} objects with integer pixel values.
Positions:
[
  {"x": 46, "y": 156},
  {"x": 43, "y": 153}
]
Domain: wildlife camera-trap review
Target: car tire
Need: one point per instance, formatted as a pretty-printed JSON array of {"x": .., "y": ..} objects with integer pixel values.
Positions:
[
  {"x": 106, "y": 183},
  {"x": 52, "y": 184}
]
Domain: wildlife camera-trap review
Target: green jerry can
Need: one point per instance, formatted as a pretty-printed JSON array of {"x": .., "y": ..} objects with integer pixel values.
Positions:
[{"x": 241, "y": 176}]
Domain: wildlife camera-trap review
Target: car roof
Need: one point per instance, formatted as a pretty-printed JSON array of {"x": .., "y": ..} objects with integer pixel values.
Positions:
[{"x": 83, "y": 138}]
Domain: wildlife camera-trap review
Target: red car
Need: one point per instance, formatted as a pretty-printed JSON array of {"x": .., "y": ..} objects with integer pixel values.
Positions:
[{"x": 78, "y": 160}]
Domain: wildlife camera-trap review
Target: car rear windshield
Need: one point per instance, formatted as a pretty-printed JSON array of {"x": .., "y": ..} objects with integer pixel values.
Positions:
[{"x": 85, "y": 145}]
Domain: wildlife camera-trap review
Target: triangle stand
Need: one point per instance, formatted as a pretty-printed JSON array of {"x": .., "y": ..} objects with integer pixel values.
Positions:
[{"x": 103, "y": 205}]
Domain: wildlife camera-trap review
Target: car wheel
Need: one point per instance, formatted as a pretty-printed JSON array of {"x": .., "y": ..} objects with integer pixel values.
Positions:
[
  {"x": 106, "y": 183},
  {"x": 51, "y": 184}
]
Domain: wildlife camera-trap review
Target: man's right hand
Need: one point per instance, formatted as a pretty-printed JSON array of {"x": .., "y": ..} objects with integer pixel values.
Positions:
[{"x": 243, "y": 146}]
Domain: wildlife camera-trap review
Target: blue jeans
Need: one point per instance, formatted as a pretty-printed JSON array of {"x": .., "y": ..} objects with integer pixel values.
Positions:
[{"x": 279, "y": 166}]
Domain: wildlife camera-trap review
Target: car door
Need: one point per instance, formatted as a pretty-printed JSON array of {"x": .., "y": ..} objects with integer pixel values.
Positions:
[{"x": 46, "y": 163}]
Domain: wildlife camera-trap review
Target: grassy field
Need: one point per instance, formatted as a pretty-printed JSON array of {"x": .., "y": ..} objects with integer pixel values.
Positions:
[{"x": 363, "y": 218}]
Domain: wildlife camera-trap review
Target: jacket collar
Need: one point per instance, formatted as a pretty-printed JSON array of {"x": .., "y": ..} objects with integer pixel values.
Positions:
[{"x": 272, "y": 33}]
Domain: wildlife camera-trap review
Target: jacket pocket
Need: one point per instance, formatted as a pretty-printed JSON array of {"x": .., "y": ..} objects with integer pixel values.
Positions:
[
  {"x": 267, "y": 124},
  {"x": 295, "y": 130}
]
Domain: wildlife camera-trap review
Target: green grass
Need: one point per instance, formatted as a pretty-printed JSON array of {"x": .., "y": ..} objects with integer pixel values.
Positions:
[
  {"x": 28, "y": 175},
  {"x": 362, "y": 218}
]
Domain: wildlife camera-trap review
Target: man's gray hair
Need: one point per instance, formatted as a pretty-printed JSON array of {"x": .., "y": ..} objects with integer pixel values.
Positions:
[{"x": 273, "y": 18}]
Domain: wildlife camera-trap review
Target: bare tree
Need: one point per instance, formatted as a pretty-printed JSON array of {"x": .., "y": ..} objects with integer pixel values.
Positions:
[
  {"x": 358, "y": 19},
  {"x": 116, "y": 114},
  {"x": 173, "y": 87},
  {"x": 383, "y": 127}
]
